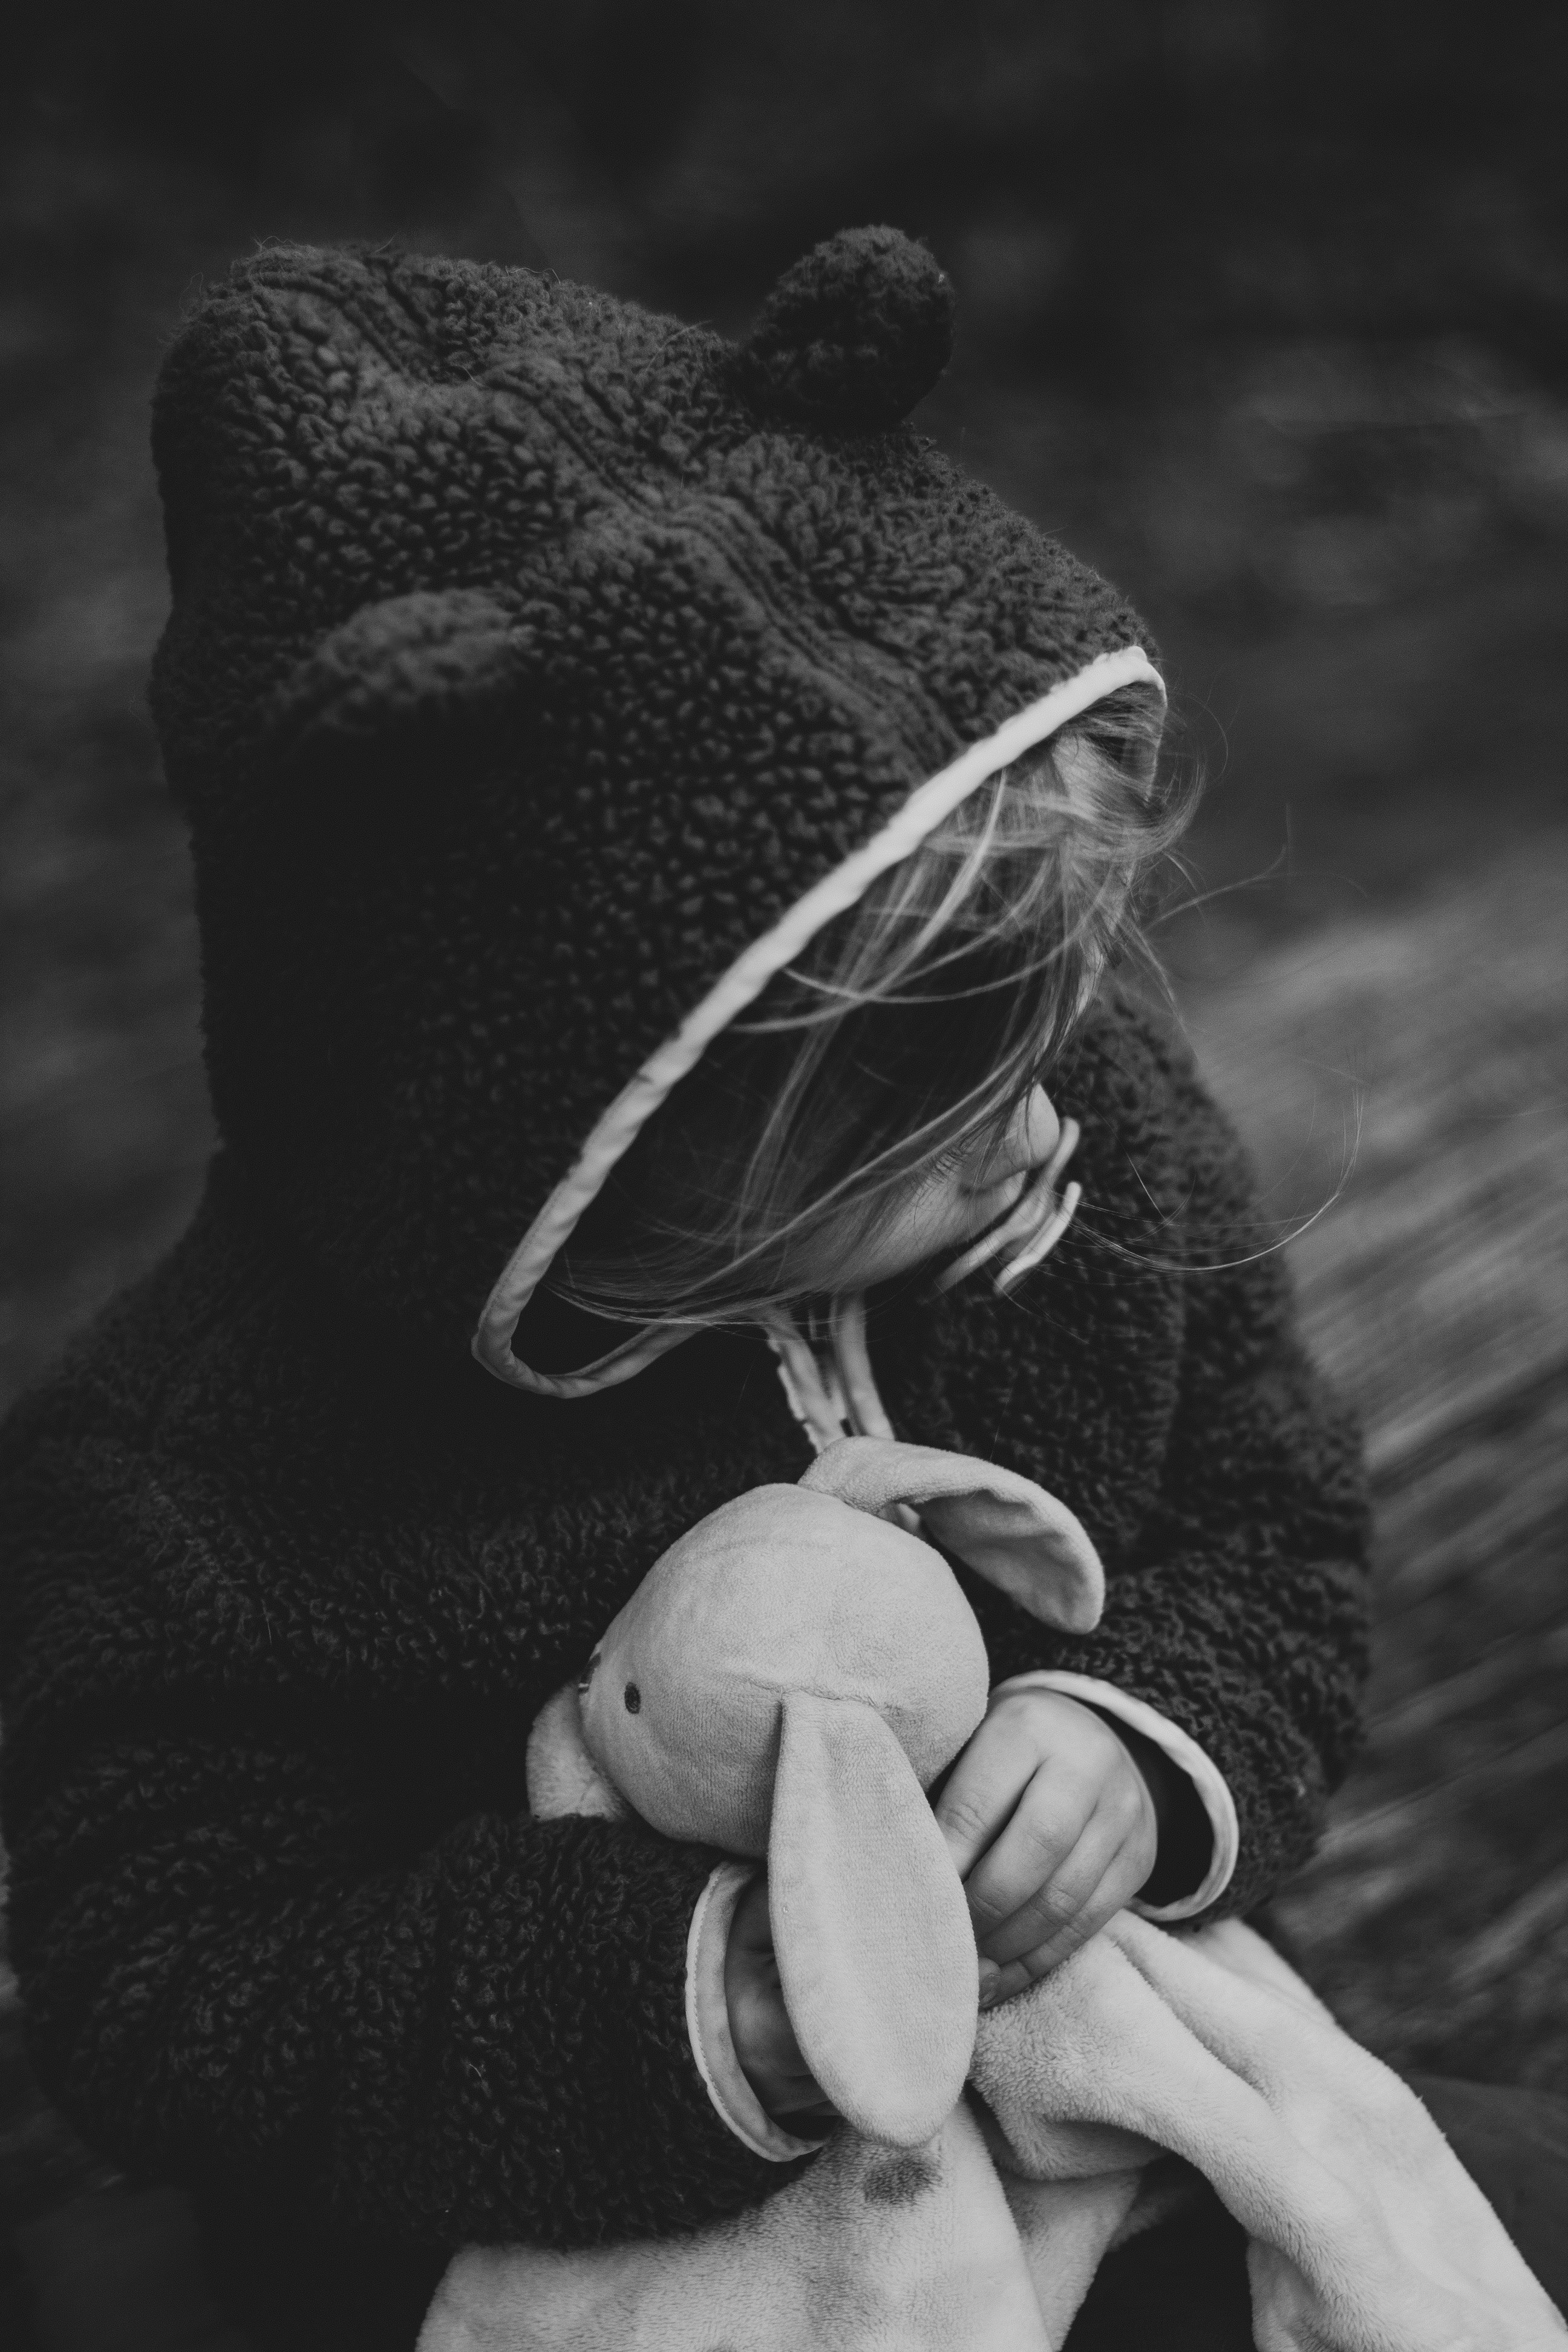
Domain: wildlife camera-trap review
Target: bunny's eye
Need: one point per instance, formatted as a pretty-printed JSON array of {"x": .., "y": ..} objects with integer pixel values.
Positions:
[{"x": 633, "y": 1697}]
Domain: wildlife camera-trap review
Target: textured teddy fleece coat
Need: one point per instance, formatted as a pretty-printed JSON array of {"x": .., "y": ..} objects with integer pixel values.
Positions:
[{"x": 287, "y": 1576}]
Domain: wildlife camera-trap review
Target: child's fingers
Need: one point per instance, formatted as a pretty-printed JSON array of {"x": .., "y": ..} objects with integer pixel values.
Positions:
[
  {"x": 760, "y": 2029},
  {"x": 1111, "y": 1894},
  {"x": 1037, "y": 1868},
  {"x": 984, "y": 1786},
  {"x": 769, "y": 2053},
  {"x": 1037, "y": 1878}
]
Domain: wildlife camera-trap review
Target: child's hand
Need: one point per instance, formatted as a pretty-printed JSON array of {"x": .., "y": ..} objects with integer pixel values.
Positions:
[
  {"x": 759, "y": 2023},
  {"x": 1053, "y": 1828}
]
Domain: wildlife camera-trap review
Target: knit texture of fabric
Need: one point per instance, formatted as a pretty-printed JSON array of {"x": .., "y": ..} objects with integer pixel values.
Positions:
[{"x": 529, "y": 655}]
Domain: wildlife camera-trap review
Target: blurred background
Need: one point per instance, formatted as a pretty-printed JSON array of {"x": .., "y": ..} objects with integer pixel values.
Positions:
[{"x": 1263, "y": 307}]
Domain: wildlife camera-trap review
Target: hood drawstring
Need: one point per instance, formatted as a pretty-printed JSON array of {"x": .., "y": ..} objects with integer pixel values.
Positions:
[
  {"x": 811, "y": 1382},
  {"x": 831, "y": 1388},
  {"x": 832, "y": 1392}
]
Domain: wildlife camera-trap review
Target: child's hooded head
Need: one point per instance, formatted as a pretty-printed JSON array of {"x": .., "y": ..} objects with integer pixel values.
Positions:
[{"x": 548, "y": 681}]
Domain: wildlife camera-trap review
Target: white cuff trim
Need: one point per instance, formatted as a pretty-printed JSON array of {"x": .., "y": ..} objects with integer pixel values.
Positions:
[
  {"x": 1183, "y": 1752},
  {"x": 707, "y": 2021}
]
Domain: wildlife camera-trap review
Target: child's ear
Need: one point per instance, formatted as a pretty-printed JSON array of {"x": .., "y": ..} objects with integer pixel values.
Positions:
[
  {"x": 1017, "y": 1537},
  {"x": 876, "y": 1953}
]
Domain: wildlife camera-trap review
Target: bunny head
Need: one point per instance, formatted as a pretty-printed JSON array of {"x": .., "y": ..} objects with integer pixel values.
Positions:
[
  {"x": 779, "y": 1593},
  {"x": 787, "y": 1681}
]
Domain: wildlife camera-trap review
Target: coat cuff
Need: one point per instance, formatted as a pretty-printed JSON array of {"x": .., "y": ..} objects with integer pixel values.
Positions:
[
  {"x": 707, "y": 2021},
  {"x": 1184, "y": 1753}
]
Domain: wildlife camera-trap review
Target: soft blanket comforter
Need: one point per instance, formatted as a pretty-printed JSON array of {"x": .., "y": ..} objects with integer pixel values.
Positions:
[{"x": 1366, "y": 2233}]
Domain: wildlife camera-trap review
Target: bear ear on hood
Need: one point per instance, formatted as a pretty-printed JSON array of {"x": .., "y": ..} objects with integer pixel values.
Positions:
[
  {"x": 852, "y": 335},
  {"x": 421, "y": 667}
]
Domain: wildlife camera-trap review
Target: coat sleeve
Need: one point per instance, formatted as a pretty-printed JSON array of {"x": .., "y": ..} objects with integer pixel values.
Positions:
[
  {"x": 267, "y": 1939},
  {"x": 1238, "y": 1612}
]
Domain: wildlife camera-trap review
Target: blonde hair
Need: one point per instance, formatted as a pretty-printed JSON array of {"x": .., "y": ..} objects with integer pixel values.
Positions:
[{"x": 915, "y": 1023}]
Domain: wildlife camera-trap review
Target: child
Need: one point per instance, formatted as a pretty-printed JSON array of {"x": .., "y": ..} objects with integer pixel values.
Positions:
[{"x": 645, "y": 802}]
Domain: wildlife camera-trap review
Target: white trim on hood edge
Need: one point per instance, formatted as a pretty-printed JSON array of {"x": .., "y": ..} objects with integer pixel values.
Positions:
[{"x": 618, "y": 1127}]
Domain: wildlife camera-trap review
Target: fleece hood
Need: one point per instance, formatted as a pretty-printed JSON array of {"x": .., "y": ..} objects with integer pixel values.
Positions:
[{"x": 537, "y": 665}]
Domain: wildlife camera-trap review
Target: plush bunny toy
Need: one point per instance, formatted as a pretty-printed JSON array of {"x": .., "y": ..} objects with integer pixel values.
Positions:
[{"x": 787, "y": 1681}]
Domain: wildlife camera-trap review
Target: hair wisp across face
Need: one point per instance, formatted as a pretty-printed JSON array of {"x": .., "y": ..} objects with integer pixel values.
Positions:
[{"x": 883, "y": 1099}]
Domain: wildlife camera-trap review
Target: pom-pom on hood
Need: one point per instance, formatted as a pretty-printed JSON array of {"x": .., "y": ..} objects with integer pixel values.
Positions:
[
  {"x": 531, "y": 657},
  {"x": 854, "y": 335}
]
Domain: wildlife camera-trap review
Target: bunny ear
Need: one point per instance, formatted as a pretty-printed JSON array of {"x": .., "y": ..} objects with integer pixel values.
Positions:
[
  {"x": 1017, "y": 1537},
  {"x": 876, "y": 1953}
]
